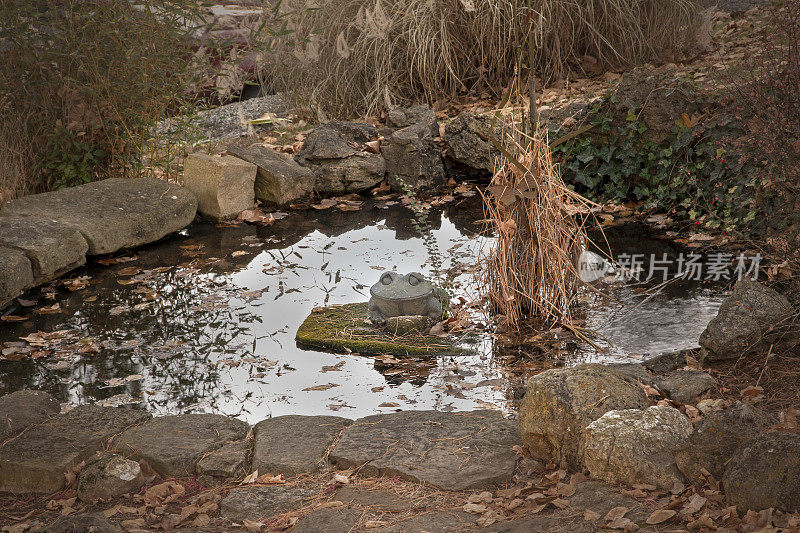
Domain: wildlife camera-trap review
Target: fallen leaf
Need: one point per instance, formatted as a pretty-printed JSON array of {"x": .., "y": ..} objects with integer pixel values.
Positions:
[
  {"x": 51, "y": 309},
  {"x": 128, "y": 271},
  {"x": 591, "y": 516},
  {"x": 14, "y": 318},
  {"x": 251, "y": 478},
  {"x": 321, "y": 387},
  {"x": 695, "y": 504},
  {"x": 662, "y": 515},
  {"x": 269, "y": 479},
  {"x": 389, "y": 404},
  {"x": 252, "y": 526},
  {"x": 616, "y": 513},
  {"x": 333, "y": 368},
  {"x": 475, "y": 508},
  {"x": 560, "y": 503},
  {"x": 201, "y": 520},
  {"x": 341, "y": 478}
]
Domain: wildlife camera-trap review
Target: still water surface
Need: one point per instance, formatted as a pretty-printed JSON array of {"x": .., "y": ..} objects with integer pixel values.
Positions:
[{"x": 207, "y": 323}]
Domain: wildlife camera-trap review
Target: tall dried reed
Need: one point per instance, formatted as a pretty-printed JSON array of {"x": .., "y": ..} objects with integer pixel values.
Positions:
[
  {"x": 531, "y": 271},
  {"x": 355, "y": 56}
]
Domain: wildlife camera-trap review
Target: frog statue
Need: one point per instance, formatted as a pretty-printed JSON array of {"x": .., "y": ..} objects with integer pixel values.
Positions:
[{"x": 410, "y": 295}]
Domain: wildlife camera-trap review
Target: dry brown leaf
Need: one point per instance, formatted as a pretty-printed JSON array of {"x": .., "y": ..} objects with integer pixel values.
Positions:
[
  {"x": 591, "y": 516},
  {"x": 475, "y": 508},
  {"x": 560, "y": 503},
  {"x": 269, "y": 479},
  {"x": 616, "y": 513},
  {"x": 321, "y": 387},
  {"x": 662, "y": 515},
  {"x": 252, "y": 526}
]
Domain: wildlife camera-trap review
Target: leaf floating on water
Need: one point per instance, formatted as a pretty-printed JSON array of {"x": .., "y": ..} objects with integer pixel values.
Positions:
[
  {"x": 14, "y": 318},
  {"x": 49, "y": 310},
  {"x": 333, "y": 368},
  {"x": 128, "y": 271},
  {"x": 389, "y": 404},
  {"x": 321, "y": 387}
]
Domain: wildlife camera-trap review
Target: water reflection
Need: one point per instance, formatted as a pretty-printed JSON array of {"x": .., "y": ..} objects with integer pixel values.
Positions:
[{"x": 208, "y": 321}]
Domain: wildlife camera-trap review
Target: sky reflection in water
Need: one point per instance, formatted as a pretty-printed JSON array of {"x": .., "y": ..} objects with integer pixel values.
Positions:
[{"x": 219, "y": 335}]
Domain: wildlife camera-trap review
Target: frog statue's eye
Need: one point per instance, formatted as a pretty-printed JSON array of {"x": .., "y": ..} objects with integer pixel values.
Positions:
[
  {"x": 387, "y": 278},
  {"x": 414, "y": 279}
]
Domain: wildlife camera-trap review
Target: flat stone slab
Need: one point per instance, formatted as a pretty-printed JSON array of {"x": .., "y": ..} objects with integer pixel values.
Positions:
[
  {"x": 52, "y": 248},
  {"x": 450, "y": 451},
  {"x": 36, "y": 460},
  {"x": 343, "y": 328},
  {"x": 112, "y": 214},
  {"x": 173, "y": 445},
  {"x": 22, "y": 409},
  {"x": 16, "y": 274},
  {"x": 255, "y": 502},
  {"x": 294, "y": 444}
]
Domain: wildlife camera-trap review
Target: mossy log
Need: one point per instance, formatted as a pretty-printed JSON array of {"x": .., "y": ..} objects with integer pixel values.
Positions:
[{"x": 345, "y": 328}]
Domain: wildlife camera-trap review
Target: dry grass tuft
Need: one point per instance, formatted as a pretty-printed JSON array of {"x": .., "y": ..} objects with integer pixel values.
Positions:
[
  {"x": 16, "y": 157},
  {"x": 531, "y": 273},
  {"x": 353, "y": 57}
]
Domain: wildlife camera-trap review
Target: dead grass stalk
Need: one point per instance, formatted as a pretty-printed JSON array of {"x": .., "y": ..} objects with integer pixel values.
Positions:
[{"x": 531, "y": 273}]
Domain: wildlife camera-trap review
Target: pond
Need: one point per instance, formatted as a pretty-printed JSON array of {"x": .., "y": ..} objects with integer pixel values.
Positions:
[{"x": 205, "y": 320}]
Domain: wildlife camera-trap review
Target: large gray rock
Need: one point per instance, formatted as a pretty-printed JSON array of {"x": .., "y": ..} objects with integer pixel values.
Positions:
[
  {"x": 468, "y": 144},
  {"x": 765, "y": 472},
  {"x": 684, "y": 386},
  {"x": 419, "y": 446},
  {"x": 173, "y": 445},
  {"x": 637, "y": 446},
  {"x": 752, "y": 315},
  {"x": 228, "y": 121},
  {"x": 335, "y": 152},
  {"x": 22, "y": 409},
  {"x": 560, "y": 403},
  {"x": 36, "y": 460},
  {"x": 280, "y": 180},
  {"x": 716, "y": 437},
  {"x": 309, "y": 437},
  {"x": 16, "y": 274},
  {"x": 258, "y": 502},
  {"x": 227, "y": 462},
  {"x": 113, "y": 214},
  {"x": 52, "y": 248},
  {"x": 667, "y": 361},
  {"x": 108, "y": 475},
  {"x": 412, "y": 157},
  {"x": 418, "y": 115},
  {"x": 224, "y": 185}
]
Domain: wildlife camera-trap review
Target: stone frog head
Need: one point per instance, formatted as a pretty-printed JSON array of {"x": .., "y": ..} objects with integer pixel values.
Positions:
[{"x": 398, "y": 295}]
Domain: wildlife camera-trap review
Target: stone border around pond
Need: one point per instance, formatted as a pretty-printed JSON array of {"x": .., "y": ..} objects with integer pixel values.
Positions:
[{"x": 43, "y": 236}]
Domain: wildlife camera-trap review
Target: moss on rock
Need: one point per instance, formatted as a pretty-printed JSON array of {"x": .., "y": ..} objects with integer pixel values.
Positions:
[{"x": 343, "y": 328}]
